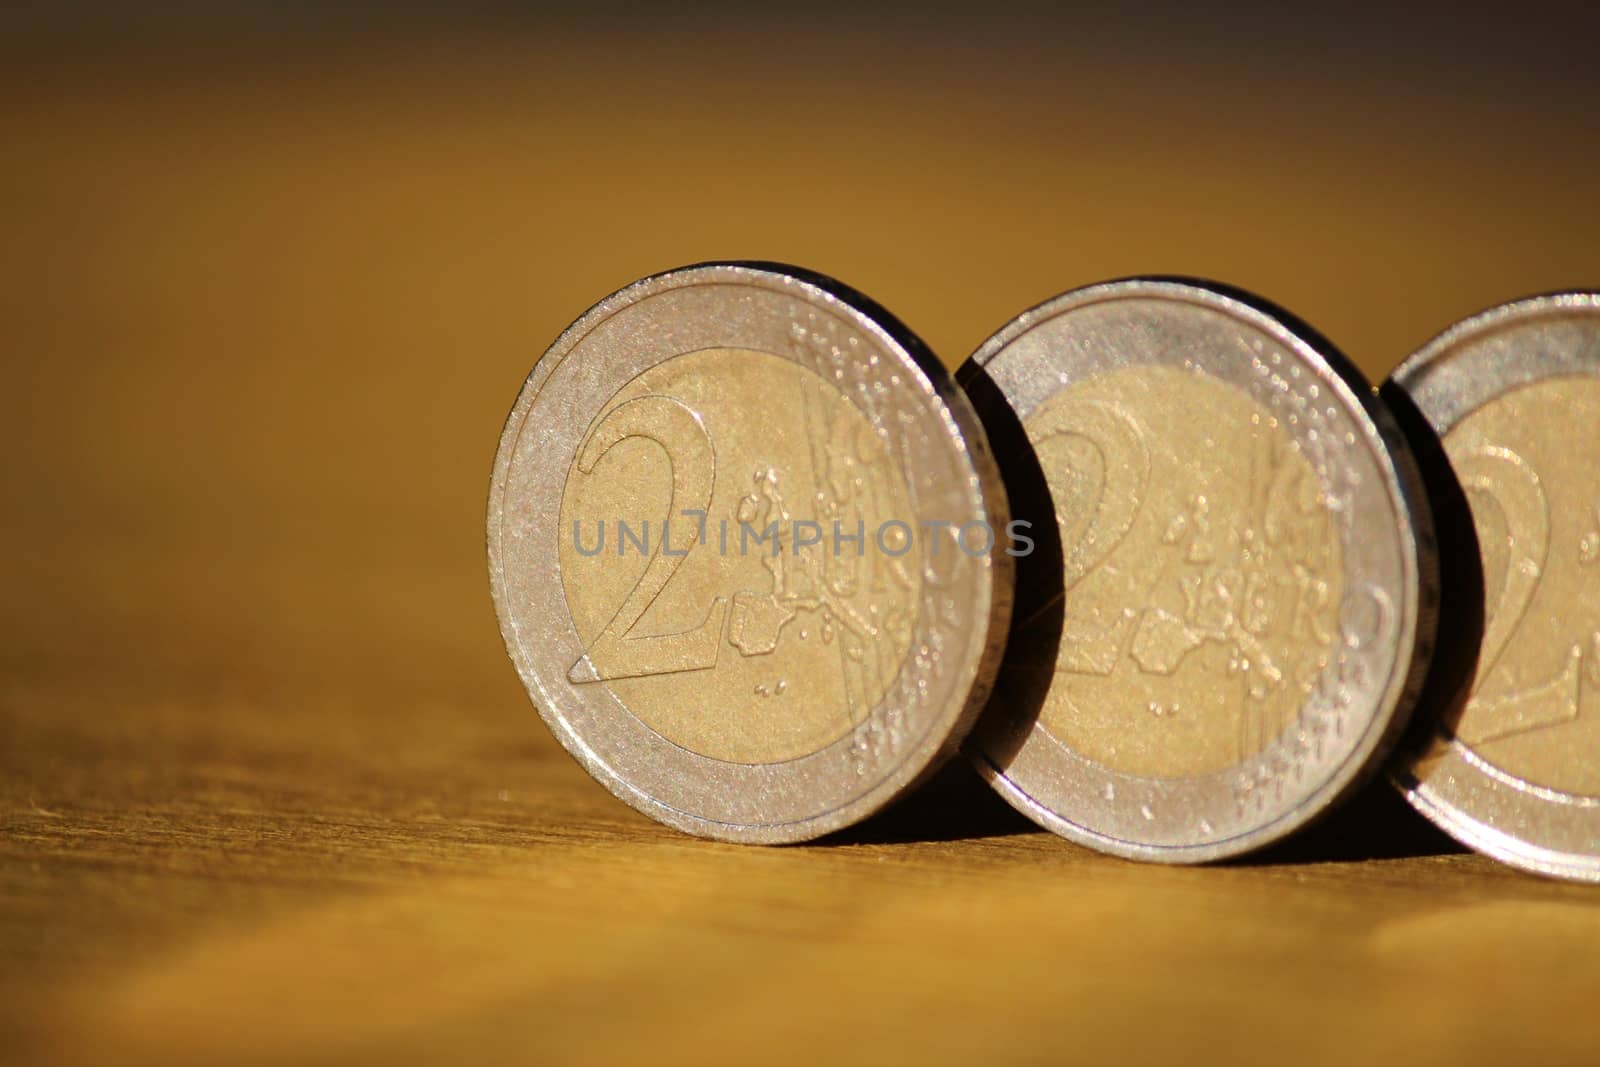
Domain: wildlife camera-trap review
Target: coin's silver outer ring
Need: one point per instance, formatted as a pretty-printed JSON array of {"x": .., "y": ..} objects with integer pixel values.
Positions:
[
  {"x": 1468, "y": 365},
  {"x": 952, "y": 660},
  {"x": 1416, "y": 602}
]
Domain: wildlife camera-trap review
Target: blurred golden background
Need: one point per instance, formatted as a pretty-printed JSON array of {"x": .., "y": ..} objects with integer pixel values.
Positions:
[{"x": 271, "y": 791}]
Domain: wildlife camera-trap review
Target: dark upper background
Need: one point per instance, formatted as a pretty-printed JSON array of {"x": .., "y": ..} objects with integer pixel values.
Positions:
[{"x": 271, "y": 281}]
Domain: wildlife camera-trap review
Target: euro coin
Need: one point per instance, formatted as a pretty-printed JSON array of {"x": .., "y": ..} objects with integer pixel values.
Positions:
[
  {"x": 1230, "y": 608},
  {"x": 746, "y": 547},
  {"x": 1513, "y": 769}
]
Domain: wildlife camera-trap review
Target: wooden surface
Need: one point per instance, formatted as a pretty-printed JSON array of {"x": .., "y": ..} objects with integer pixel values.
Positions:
[{"x": 269, "y": 791}]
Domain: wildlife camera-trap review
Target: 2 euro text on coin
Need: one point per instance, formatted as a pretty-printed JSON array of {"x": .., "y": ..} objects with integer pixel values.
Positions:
[
  {"x": 1237, "y": 616},
  {"x": 1514, "y": 770},
  {"x": 749, "y": 551}
]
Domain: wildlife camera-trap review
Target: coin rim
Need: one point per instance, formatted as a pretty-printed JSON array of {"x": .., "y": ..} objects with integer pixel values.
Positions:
[
  {"x": 1448, "y": 801},
  {"x": 1418, "y": 565},
  {"x": 971, "y": 460}
]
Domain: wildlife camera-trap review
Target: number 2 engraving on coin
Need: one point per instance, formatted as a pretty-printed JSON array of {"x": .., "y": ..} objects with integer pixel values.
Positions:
[
  {"x": 1507, "y": 494},
  {"x": 617, "y": 652},
  {"x": 1230, "y": 572},
  {"x": 710, "y": 598}
]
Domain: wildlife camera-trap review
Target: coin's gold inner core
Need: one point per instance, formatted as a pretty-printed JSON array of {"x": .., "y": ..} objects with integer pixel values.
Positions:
[
  {"x": 1529, "y": 461},
  {"x": 1203, "y": 572},
  {"x": 707, "y": 636}
]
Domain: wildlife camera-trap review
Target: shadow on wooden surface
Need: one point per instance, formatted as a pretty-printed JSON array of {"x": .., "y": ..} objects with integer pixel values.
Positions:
[
  {"x": 954, "y": 805},
  {"x": 1375, "y": 823}
]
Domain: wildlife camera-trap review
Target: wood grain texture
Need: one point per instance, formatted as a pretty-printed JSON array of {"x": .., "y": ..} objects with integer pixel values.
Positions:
[{"x": 269, "y": 791}]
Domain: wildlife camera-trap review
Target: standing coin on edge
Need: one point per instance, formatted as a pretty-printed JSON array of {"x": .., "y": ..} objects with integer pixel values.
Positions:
[
  {"x": 746, "y": 547},
  {"x": 1232, "y": 606},
  {"x": 1515, "y": 395}
]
